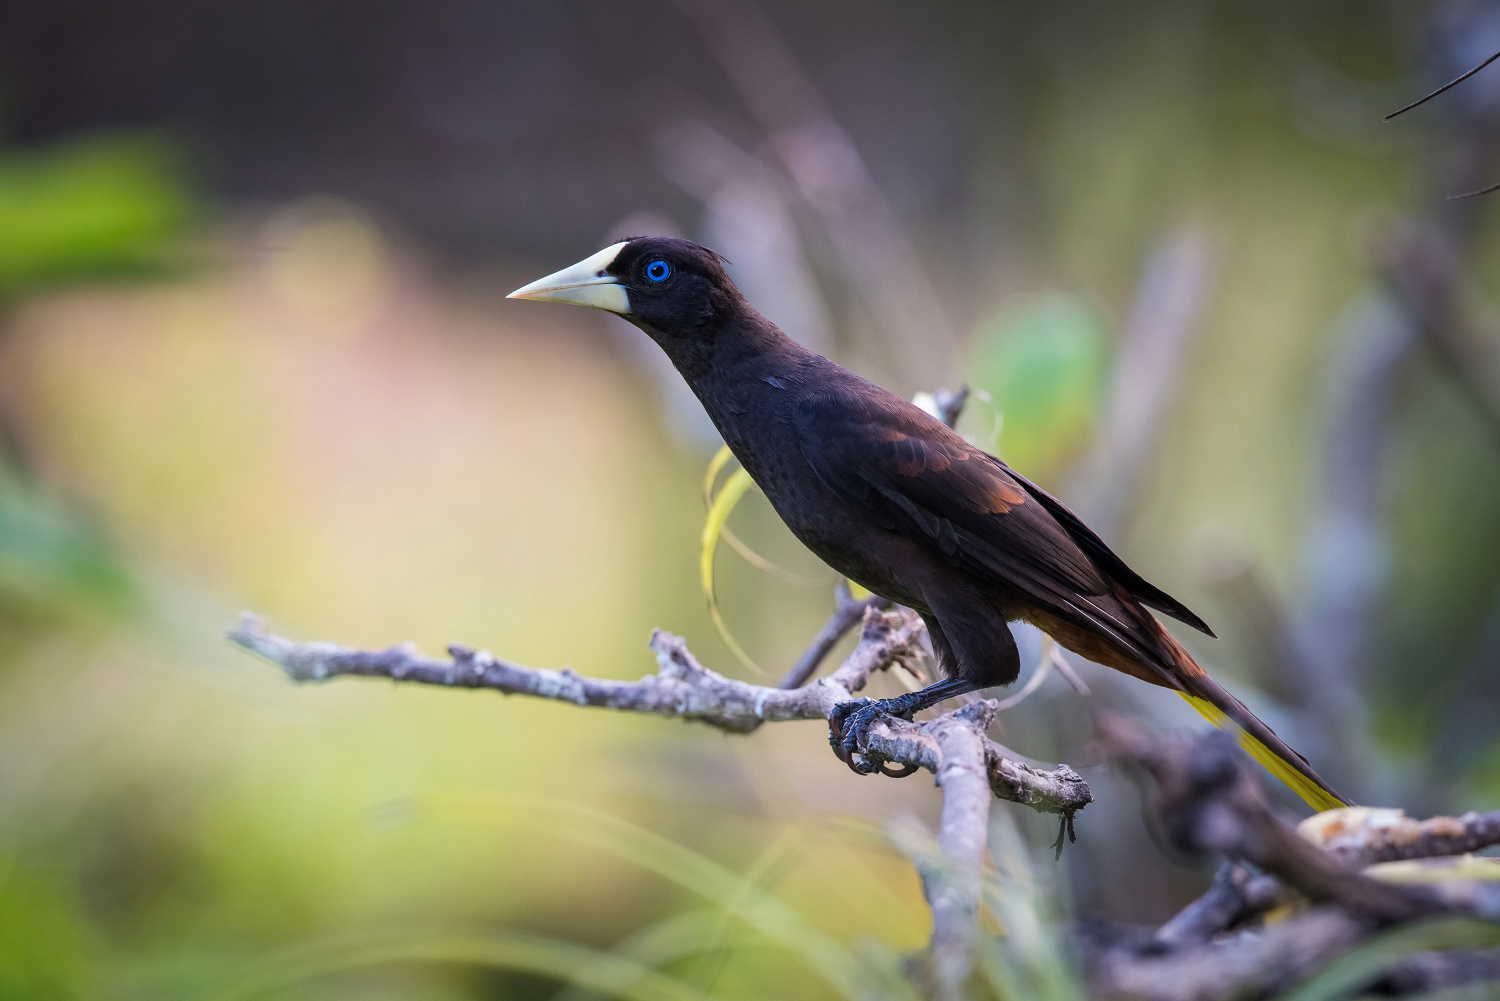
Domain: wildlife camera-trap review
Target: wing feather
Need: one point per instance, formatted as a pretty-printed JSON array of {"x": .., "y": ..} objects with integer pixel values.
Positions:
[{"x": 909, "y": 473}]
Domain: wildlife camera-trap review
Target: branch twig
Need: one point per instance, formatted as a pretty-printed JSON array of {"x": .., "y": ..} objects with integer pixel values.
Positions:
[
  {"x": 1234, "y": 895},
  {"x": 1208, "y": 802},
  {"x": 1355, "y": 838},
  {"x": 1423, "y": 268},
  {"x": 954, "y": 890},
  {"x": 1249, "y": 965},
  {"x": 968, "y": 766},
  {"x": 848, "y": 613},
  {"x": 1390, "y": 836},
  {"x": 684, "y": 689}
]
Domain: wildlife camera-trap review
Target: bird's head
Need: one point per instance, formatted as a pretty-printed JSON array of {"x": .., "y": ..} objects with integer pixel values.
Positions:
[{"x": 668, "y": 287}]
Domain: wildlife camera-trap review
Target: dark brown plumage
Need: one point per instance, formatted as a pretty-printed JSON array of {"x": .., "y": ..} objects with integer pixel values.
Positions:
[{"x": 892, "y": 498}]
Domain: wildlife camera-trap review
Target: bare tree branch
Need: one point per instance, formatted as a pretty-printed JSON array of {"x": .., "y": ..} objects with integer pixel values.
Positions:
[
  {"x": 954, "y": 891},
  {"x": 1394, "y": 836},
  {"x": 1208, "y": 801},
  {"x": 950, "y": 403},
  {"x": 1425, "y": 270},
  {"x": 1355, "y": 838},
  {"x": 684, "y": 689},
  {"x": 833, "y": 180},
  {"x": 1248, "y": 965},
  {"x": 1235, "y": 895},
  {"x": 1166, "y": 313},
  {"x": 968, "y": 766}
]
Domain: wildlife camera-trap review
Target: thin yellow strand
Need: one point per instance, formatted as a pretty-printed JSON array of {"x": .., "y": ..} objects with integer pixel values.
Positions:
[{"x": 720, "y": 505}]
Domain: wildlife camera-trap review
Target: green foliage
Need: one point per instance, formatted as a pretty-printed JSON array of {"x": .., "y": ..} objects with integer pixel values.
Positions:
[
  {"x": 96, "y": 207},
  {"x": 51, "y": 559},
  {"x": 1028, "y": 960},
  {"x": 681, "y": 956},
  {"x": 684, "y": 955},
  {"x": 738, "y": 896},
  {"x": 43, "y": 953},
  {"x": 1043, "y": 364}
]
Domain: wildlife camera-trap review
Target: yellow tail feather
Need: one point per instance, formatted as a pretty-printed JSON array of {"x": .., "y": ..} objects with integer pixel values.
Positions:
[{"x": 1316, "y": 796}]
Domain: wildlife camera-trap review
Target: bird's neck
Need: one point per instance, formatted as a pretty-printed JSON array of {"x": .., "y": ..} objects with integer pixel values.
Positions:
[
  {"x": 744, "y": 345},
  {"x": 740, "y": 369}
]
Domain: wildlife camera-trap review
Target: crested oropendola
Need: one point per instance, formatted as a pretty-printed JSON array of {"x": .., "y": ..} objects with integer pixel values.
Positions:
[{"x": 893, "y": 499}]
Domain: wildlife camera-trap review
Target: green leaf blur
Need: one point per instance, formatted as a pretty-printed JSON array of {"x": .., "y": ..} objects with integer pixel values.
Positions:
[
  {"x": 96, "y": 207},
  {"x": 1042, "y": 362}
]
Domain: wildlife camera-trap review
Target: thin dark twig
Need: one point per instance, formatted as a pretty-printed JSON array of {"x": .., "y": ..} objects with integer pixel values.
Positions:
[
  {"x": 1235, "y": 894},
  {"x": 849, "y": 613},
  {"x": 1447, "y": 86},
  {"x": 1473, "y": 194},
  {"x": 1060, "y": 661}
]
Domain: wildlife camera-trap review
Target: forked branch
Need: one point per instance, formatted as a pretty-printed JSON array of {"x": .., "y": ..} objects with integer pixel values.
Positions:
[
  {"x": 966, "y": 763},
  {"x": 685, "y": 689}
]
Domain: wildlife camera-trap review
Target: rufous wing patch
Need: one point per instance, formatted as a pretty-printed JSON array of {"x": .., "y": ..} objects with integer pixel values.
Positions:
[{"x": 1004, "y": 496}]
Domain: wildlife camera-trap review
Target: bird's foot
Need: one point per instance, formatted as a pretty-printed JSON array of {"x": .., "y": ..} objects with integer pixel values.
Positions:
[
  {"x": 837, "y": 721},
  {"x": 849, "y": 731}
]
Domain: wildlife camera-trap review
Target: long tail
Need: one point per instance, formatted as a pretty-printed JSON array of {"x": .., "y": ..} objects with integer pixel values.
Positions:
[{"x": 1226, "y": 712}]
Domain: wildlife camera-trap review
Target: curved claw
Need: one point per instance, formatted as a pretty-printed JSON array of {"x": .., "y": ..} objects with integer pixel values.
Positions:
[
  {"x": 845, "y": 739},
  {"x": 848, "y": 726},
  {"x": 856, "y": 733},
  {"x": 858, "y": 765},
  {"x": 836, "y": 741}
]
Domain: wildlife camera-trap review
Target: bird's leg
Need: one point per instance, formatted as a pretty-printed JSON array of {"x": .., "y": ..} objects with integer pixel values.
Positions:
[{"x": 849, "y": 723}]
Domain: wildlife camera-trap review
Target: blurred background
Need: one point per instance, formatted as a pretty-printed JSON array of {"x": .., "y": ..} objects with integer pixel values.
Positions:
[{"x": 254, "y": 353}]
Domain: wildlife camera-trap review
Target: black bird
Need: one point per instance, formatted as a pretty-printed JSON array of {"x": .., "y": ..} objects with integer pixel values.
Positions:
[{"x": 892, "y": 498}]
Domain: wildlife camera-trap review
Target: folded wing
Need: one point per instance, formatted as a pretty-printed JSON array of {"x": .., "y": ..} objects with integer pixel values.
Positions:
[{"x": 911, "y": 474}]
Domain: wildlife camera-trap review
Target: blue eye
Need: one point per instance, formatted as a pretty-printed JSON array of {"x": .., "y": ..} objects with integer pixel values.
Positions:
[{"x": 658, "y": 271}]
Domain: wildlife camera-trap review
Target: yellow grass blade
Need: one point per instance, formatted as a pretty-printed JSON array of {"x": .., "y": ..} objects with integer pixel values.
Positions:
[
  {"x": 719, "y": 507},
  {"x": 710, "y": 479},
  {"x": 715, "y": 467}
]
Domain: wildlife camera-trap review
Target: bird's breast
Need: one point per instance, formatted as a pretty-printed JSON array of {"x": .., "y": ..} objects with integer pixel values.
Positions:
[{"x": 855, "y": 547}]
